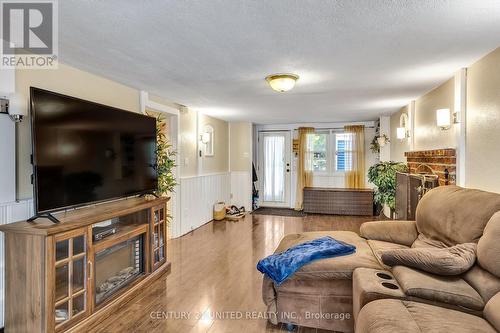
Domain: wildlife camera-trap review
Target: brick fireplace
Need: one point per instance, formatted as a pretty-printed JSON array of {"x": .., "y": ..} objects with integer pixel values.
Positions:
[{"x": 441, "y": 162}]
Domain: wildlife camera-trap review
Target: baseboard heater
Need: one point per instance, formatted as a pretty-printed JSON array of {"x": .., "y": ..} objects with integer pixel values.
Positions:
[{"x": 338, "y": 201}]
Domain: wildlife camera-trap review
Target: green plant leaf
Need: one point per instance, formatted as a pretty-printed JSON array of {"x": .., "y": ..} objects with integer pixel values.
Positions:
[
  {"x": 165, "y": 162},
  {"x": 383, "y": 176}
]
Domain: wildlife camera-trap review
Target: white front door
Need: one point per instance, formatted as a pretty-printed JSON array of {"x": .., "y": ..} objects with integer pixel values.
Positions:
[{"x": 274, "y": 169}]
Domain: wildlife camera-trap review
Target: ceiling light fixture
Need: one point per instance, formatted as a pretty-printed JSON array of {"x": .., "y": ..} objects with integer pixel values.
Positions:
[{"x": 282, "y": 82}]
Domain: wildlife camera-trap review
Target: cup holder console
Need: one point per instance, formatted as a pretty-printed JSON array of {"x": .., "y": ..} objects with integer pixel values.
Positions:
[
  {"x": 384, "y": 276},
  {"x": 390, "y": 285}
]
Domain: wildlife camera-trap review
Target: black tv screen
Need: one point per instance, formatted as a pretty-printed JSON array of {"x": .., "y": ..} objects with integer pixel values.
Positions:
[{"x": 84, "y": 152}]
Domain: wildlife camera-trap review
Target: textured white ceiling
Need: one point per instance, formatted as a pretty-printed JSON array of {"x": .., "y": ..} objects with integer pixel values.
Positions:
[{"x": 357, "y": 59}]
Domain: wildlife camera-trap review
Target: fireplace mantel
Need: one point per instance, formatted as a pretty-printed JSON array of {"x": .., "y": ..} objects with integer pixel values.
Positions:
[{"x": 439, "y": 162}]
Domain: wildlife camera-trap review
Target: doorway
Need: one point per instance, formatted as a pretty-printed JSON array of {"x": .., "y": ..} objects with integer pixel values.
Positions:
[
  {"x": 274, "y": 169},
  {"x": 171, "y": 122}
]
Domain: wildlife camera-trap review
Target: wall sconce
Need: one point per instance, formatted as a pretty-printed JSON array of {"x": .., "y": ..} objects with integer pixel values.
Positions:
[
  {"x": 205, "y": 137},
  {"x": 402, "y": 131},
  {"x": 443, "y": 119},
  {"x": 15, "y": 106}
]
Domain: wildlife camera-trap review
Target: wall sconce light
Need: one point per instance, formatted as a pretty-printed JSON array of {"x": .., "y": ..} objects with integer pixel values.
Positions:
[
  {"x": 15, "y": 106},
  {"x": 443, "y": 119},
  {"x": 205, "y": 137},
  {"x": 402, "y": 131}
]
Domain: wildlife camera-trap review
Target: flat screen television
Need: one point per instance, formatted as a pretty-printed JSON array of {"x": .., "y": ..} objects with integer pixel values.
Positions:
[{"x": 85, "y": 152}]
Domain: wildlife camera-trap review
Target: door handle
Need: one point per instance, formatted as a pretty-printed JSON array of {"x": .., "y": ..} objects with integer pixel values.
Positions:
[{"x": 91, "y": 270}]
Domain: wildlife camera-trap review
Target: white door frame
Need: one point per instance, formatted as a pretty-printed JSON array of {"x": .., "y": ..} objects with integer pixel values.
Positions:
[
  {"x": 288, "y": 178},
  {"x": 174, "y": 122}
]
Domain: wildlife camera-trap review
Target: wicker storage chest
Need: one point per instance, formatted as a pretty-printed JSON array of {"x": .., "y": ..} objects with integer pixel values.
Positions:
[{"x": 338, "y": 201}]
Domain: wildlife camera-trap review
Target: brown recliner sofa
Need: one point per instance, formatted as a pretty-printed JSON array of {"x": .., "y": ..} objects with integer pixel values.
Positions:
[
  {"x": 403, "y": 315},
  {"x": 320, "y": 294}
]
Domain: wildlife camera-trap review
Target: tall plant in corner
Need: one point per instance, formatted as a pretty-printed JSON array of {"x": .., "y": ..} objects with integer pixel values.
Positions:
[
  {"x": 165, "y": 162},
  {"x": 383, "y": 176}
]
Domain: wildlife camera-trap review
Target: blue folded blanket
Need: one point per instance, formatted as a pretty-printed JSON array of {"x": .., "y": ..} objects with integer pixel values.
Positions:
[{"x": 281, "y": 266}]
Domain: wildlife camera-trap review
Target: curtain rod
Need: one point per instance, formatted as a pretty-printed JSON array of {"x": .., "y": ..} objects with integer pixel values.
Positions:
[
  {"x": 336, "y": 128},
  {"x": 315, "y": 128}
]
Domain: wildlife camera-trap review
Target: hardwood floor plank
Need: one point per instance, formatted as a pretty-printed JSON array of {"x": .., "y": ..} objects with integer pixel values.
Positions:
[{"x": 213, "y": 276}]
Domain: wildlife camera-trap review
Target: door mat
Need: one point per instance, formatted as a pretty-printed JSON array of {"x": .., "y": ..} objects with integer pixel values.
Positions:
[{"x": 278, "y": 212}]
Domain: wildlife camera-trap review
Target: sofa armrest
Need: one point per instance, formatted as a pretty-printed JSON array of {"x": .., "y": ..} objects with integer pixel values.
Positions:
[{"x": 399, "y": 232}]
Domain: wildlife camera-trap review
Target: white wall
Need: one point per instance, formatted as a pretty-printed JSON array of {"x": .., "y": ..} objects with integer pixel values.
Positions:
[
  {"x": 424, "y": 134},
  {"x": 483, "y": 124},
  {"x": 427, "y": 134},
  {"x": 240, "y": 163}
]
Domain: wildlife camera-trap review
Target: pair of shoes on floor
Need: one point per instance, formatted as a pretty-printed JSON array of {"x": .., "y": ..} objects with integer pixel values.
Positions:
[{"x": 233, "y": 210}]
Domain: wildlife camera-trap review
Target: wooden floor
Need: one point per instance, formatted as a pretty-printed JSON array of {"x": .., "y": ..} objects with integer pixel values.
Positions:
[{"x": 213, "y": 274}]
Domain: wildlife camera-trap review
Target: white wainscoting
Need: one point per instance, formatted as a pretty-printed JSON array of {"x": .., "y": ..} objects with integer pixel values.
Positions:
[
  {"x": 8, "y": 160},
  {"x": 241, "y": 189},
  {"x": 10, "y": 212},
  {"x": 198, "y": 195}
]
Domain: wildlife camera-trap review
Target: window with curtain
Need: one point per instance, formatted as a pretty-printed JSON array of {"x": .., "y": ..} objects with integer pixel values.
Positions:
[
  {"x": 318, "y": 145},
  {"x": 343, "y": 152},
  {"x": 331, "y": 151}
]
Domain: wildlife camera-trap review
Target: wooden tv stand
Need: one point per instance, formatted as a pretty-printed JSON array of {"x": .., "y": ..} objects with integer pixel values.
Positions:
[{"x": 64, "y": 277}]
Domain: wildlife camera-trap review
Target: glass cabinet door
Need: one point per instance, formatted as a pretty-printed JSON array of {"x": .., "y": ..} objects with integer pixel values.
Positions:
[
  {"x": 70, "y": 277},
  {"x": 158, "y": 235}
]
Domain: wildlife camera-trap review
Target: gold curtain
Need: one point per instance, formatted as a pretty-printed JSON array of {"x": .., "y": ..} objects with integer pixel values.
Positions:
[
  {"x": 304, "y": 168},
  {"x": 355, "y": 148}
]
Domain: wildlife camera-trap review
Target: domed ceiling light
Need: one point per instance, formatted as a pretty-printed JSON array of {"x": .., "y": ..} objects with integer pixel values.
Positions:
[{"x": 282, "y": 82}]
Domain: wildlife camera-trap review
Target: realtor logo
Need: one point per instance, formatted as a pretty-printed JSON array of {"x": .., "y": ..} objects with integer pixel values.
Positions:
[{"x": 29, "y": 34}]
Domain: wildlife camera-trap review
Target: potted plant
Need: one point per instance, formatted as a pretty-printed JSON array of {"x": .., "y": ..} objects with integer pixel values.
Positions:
[
  {"x": 383, "y": 176},
  {"x": 165, "y": 162}
]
